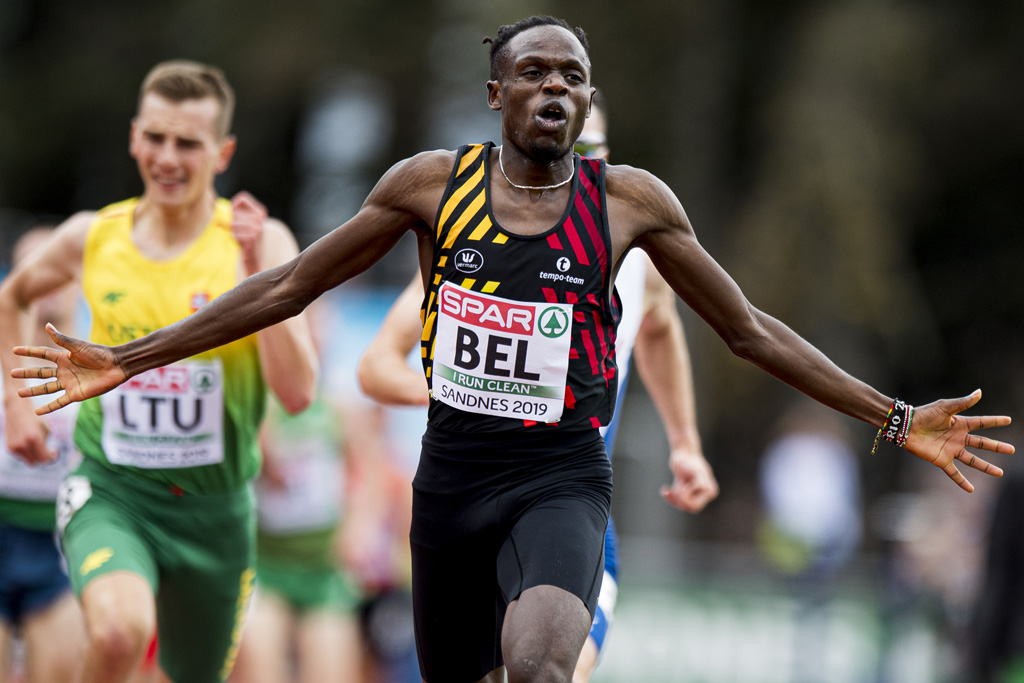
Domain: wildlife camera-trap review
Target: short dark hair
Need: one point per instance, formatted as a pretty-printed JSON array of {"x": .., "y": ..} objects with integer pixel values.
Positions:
[{"x": 510, "y": 31}]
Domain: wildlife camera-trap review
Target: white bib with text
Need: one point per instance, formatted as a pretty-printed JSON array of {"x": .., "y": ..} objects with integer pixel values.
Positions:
[
  {"x": 501, "y": 357},
  {"x": 168, "y": 417}
]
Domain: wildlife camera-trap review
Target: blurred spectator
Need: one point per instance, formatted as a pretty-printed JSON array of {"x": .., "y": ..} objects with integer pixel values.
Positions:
[
  {"x": 996, "y": 636},
  {"x": 810, "y": 485},
  {"x": 36, "y": 601}
]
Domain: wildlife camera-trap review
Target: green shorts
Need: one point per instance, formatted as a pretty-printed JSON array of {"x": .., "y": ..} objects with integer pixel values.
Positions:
[
  {"x": 196, "y": 551},
  {"x": 307, "y": 589}
]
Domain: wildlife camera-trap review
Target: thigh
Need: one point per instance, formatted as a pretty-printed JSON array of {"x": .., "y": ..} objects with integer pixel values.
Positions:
[
  {"x": 328, "y": 647},
  {"x": 206, "y": 559},
  {"x": 559, "y": 542},
  {"x": 544, "y": 632},
  {"x": 457, "y": 611},
  {"x": 266, "y": 639},
  {"x": 101, "y": 538},
  {"x": 200, "y": 612},
  {"x": 6, "y": 643},
  {"x": 55, "y": 641}
]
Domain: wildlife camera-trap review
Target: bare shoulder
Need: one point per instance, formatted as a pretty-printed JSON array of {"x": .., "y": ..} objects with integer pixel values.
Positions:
[
  {"x": 415, "y": 185},
  {"x": 639, "y": 202},
  {"x": 424, "y": 171},
  {"x": 69, "y": 238}
]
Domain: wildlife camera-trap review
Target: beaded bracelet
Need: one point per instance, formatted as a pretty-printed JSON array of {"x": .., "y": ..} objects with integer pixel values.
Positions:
[
  {"x": 896, "y": 426},
  {"x": 882, "y": 429}
]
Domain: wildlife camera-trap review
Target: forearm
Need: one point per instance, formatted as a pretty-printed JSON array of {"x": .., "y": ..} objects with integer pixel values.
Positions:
[
  {"x": 262, "y": 300},
  {"x": 16, "y": 319},
  {"x": 391, "y": 381},
  {"x": 289, "y": 362},
  {"x": 663, "y": 362},
  {"x": 788, "y": 357}
]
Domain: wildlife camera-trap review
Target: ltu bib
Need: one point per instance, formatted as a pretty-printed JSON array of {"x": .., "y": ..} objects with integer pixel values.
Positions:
[{"x": 168, "y": 417}]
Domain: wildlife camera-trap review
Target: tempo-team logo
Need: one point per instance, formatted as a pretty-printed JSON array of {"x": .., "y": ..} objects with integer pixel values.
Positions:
[
  {"x": 468, "y": 260},
  {"x": 562, "y": 264}
]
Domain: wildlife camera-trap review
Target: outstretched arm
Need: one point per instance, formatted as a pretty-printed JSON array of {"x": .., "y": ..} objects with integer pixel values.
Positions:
[
  {"x": 663, "y": 363},
  {"x": 406, "y": 198},
  {"x": 384, "y": 374},
  {"x": 659, "y": 225}
]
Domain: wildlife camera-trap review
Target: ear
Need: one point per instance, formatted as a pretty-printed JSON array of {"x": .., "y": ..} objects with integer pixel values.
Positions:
[
  {"x": 133, "y": 131},
  {"x": 227, "y": 150},
  {"x": 590, "y": 102},
  {"x": 494, "y": 95}
]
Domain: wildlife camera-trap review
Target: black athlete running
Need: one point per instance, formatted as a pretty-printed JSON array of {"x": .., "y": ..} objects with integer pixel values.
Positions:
[{"x": 511, "y": 350}]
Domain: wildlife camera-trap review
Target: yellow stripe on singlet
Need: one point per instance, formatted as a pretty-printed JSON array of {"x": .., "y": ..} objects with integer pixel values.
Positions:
[
  {"x": 471, "y": 211},
  {"x": 470, "y": 185},
  {"x": 481, "y": 229}
]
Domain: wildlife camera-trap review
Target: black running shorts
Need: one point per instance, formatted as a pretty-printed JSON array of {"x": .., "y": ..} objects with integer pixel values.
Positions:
[{"x": 493, "y": 515}]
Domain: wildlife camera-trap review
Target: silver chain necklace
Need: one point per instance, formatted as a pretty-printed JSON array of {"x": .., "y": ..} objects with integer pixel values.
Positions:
[{"x": 534, "y": 187}]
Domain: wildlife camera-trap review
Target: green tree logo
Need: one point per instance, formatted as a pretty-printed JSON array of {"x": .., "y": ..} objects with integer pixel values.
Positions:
[{"x": 554, "y": 322}]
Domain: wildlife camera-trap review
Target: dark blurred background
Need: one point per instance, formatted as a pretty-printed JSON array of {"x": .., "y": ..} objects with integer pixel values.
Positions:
[{"x": 857, "y": 166}]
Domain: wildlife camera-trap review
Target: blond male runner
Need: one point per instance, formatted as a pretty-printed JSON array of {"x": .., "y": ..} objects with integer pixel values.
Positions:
[
  {"x": 650, "y": 327},
  {"x": 530, "y": 203},
  {"x": 157, "y": 520}
]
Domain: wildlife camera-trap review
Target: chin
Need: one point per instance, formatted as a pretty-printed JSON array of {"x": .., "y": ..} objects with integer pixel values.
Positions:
[{"x": 545, "y": 151}]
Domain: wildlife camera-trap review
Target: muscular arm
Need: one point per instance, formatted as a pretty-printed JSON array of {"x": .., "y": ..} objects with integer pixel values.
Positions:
[
  {"x": 406, "y": 198},
  {"x": 663, "y": 362},
  {"x": 384, "y": 374},
  {"x": 652, "y": 218},
  {"x": 52, "y": 266}
]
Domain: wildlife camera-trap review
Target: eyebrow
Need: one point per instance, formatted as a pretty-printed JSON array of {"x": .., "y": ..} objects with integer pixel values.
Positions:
[{"x": 571, "y": 62}]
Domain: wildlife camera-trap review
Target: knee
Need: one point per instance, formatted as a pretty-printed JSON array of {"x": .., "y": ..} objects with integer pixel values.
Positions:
[
  {"x": 120, "y": 640},
  {"x": 539, "y": 665}
]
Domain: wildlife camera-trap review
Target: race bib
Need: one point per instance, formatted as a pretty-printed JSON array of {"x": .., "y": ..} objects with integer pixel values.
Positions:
[
  {"x": 501, "y": 357},
  {"x": 168, "y": 417}
]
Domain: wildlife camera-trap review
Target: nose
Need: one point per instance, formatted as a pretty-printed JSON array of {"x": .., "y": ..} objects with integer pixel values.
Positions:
[
  {"x": 555, "y": 84},
  {"x": 166, "y": 154}
]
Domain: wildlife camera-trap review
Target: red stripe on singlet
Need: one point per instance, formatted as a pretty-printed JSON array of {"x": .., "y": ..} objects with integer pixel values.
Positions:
[
  {"x": 588, "y": 344},
  {"x": 576, "y": 242},
  {"x": 593, "y": 233}
]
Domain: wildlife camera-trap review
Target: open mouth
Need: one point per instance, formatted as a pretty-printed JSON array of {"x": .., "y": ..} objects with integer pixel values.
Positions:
[{"x": 551, "y": 117}]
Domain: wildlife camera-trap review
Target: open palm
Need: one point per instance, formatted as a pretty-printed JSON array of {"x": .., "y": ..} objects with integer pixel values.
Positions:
[
  {"x": 81, "y": 370},
  {"x": 941, "y": 436}
]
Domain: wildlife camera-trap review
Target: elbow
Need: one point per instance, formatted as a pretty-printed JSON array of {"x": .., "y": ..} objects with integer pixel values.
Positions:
[
  {"x": 298, "y": 402},
  {"x": 367, "y": 376},
  {"x": 748, "y": 341},
  {"x": 299, "y": 392}
]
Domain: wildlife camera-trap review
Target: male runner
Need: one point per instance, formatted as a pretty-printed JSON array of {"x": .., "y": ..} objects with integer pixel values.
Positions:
[
  {"x": 519, "y": 246},
  {"x": 157, "y": 522},
  {"x": 35, "y": 595},
  {"x": 650, "y": 324}
]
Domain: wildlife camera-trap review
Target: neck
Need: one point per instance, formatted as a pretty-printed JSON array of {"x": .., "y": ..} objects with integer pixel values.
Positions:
[
  {"x": 164, "y": 225},
  {"x": 542, "y": 177}
]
